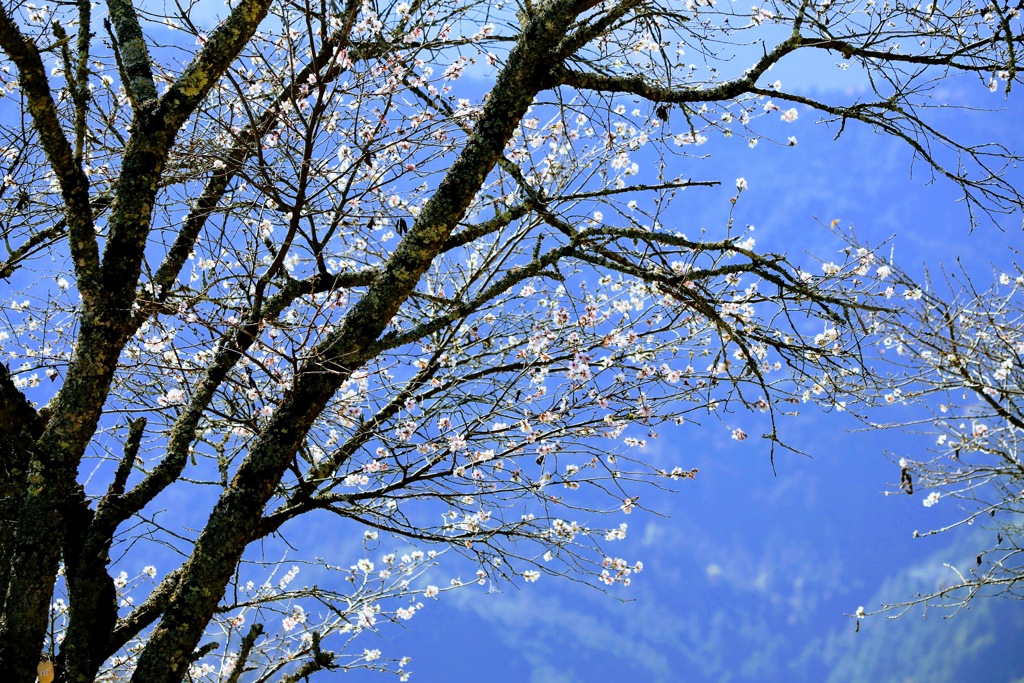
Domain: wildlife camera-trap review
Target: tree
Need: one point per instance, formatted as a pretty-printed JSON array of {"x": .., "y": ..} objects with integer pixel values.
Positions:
[
  {"x": 959, "y": 359},
  {"x": 200, "y": 220}
]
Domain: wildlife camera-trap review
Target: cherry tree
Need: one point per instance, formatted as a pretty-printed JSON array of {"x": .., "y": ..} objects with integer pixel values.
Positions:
[
  {"x": 425, "y": 268},
  {"x": 959, "y": 360}
]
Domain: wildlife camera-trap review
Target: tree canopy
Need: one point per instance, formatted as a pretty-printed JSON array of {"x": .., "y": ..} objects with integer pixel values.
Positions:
[
  {"x": 957, "y": 356},
  {"x": 426, "y": 267}
]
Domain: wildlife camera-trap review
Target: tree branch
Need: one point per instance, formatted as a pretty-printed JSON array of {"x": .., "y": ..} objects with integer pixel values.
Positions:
[
  {"x": 73, "y": 183},
  {"x": 221, "y": 47},
  {"x": 137, "y": 70},
  {"x": 638, "y": 85}
]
